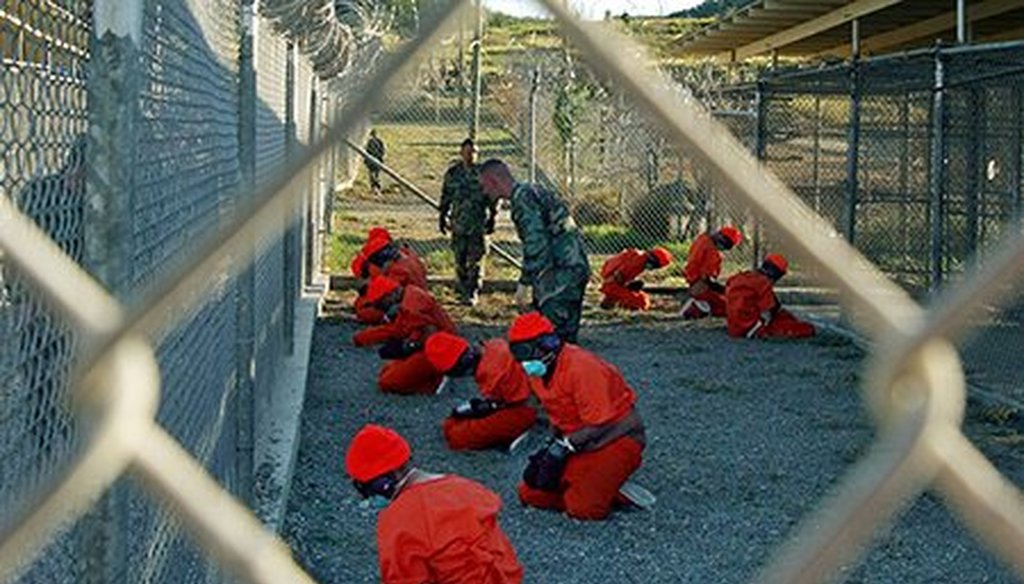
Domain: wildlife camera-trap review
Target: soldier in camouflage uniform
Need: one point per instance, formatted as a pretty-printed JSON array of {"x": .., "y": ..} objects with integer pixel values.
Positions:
[
  {"x": 554, "y": 260},
  {"x": 471, "y": 219}
]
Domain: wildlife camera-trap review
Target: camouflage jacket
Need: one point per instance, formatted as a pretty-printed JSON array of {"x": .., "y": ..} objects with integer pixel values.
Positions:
[
  {"x": 463, "y": 199},
  {"x": 552, "y": 243}
]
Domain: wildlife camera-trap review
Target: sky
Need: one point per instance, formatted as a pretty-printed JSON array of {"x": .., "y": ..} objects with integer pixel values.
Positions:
[{"x": 594, "y": 8}]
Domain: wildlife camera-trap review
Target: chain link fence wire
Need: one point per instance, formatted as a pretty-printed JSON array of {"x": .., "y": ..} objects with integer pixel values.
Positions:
[
  {"x": 43, "y": 120},
  {"x": 917, "y": 159},
  {"x": 184, "y": 169},
  {"x": 186, "y": 138},
  {"x": 556, "y": 122}
]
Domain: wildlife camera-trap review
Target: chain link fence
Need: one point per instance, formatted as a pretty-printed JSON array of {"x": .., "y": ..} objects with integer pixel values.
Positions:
[
  {"x": 127, "y": 154},
  {"x": 556, "y": 122},
  {"x": 187, "y": 104},
  {"x": 43, "y": 119},
  {"x": 916, "y": 159}
]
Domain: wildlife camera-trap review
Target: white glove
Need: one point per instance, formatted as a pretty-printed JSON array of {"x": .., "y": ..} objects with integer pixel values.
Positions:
[{"x": 524, "y": 296}]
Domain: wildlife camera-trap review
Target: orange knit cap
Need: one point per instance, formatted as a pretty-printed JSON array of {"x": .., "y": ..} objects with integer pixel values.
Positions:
[
  {"x": 380, "y": 286},
  {"x": 375, "y": 244},
  {"x": 375, "y": 451},
  {"x": 444, "y": 349},
  {"x": 732, "y": 234},
  {"x": 378, "y": 233},
  {"x": 529, "y": 326},
  {"x": 663, "y": 256},
  {"x": 778, "y": 261}
]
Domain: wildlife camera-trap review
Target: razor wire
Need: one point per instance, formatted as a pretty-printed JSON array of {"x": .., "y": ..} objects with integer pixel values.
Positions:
[{"x": 121, "y": 384}]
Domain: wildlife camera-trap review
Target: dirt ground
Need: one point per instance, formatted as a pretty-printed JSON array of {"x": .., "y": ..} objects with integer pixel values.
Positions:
[{"x": 744, "y": 439}]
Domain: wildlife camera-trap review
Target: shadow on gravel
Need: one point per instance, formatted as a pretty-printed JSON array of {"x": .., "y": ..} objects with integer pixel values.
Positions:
[{"x": 744, "y": 438}]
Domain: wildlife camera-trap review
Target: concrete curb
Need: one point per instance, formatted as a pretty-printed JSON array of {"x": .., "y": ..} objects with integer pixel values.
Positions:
[{"x": 278, "y": 420}]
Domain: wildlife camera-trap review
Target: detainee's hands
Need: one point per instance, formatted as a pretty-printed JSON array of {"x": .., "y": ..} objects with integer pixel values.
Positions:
[{"x": 442, "y": 225}]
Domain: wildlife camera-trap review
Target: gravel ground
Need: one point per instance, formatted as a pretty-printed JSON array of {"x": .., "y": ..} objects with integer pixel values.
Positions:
[{"x": 744, "y": 438}]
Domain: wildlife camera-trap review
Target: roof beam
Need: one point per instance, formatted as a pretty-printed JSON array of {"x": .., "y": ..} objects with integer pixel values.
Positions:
[
  {"x": 931, "y": 26},
  {"x": 810, "y": 28}
]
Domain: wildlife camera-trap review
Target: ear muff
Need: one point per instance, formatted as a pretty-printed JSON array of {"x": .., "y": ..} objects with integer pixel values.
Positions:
[{"x": 384, "y": 486}]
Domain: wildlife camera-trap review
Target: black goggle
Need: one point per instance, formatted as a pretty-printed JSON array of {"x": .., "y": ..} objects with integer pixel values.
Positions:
[{"x": 535, "y": 348}]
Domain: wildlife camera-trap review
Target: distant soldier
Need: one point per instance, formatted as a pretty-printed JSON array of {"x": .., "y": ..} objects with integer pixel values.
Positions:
[
  {"x": 555, "y": 263},
  {"x": 471, "y": 217},
  {"x": 374, "y": 147}
]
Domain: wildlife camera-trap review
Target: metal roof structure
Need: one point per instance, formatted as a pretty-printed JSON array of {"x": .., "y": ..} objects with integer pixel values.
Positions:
[{"x": 823, "y": 28}]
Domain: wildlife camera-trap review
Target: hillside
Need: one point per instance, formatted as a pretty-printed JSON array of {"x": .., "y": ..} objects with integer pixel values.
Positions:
[{"x": 710, "y": 9}]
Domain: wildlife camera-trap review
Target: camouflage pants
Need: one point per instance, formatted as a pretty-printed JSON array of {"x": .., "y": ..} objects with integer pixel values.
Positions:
[
  {"x": 564, "y": 308},
  {"x": 469, "y": 253}
]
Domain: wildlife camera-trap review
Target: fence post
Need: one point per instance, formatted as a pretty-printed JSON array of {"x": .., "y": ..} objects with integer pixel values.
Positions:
[
  {"x": 1018, "y": 141},
  {"x": 849, "y": 224},
  {"x": 816, "y": 161},
  {"x": 115, "y": 82},
  {"x": 246, "y": 282},
  {"x": 461, "y": 68},
  {"x": 478, "y": 35},
  {"x": 937, "y": 171},
  {"x": 975, "y": 164},
  {"x": 291, "y": 275},
  {"x": 534, "y": 88},
  {"x": 760, "y": 149}
]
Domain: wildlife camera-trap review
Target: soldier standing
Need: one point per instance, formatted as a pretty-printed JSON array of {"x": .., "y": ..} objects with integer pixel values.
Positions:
[
  {"x": 555, "y": 263},
  {"x": 375, "y": 148},
  {"x": 471, "y": 219}
]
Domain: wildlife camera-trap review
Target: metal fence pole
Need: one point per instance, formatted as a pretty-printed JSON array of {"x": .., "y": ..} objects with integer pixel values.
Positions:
[
  {"x": 534, "y": 88},
  {"x": 816, "y": 166},
  {"x": 760, "y": 151},
  {"x": 115, "y": 83},
  {"x": 1015, "y": 165},
  {"x": 937, "y": 170},
  {"x": 478, "y": 36},
  {"x": 460, "y": 69},
  {"x": 246, "y": 282},
  {"x": 852, "y": 154},
  {"x": 975, "y": 153},
  {"x": 291, "y": 276}
]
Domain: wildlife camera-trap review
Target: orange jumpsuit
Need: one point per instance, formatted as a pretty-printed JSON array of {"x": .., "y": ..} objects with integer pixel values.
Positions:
[
  {"x": 753, "y": 311},
  {"x": 445, "y": 531},
  {"x": 619, "y": 271},
  {"x": 500, "y": 378},
  {"x": 585, "y": 391},
  {"x": 407, "y": 270},
  {"x": 704, "y": 265},
  {"x": 419, "y": 315}
]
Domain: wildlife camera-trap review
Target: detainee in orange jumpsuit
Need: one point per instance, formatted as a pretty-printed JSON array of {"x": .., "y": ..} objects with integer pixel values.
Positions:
[
  {"x": 502, "y": 415},
  {"x": 621, "y": 288},
  {"x": 365, "y": 312},
  {"x": 380, "y": 255},
  {"x": 413, "y": 315},
  {"x": 753, "y": 310},
  {"x": 591, "y": 409},
  {"x": 433, "y": 529},
  {"x": 703, "y": 266}
]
